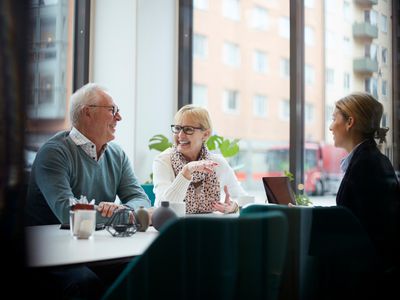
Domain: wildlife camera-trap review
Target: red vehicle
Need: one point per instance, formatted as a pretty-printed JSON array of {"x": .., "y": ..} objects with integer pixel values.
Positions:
[{"x": 321, "y": 166}]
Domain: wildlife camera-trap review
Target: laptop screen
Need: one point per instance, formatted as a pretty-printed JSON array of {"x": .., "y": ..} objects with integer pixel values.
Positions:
[{"x": 278, "y": 190}]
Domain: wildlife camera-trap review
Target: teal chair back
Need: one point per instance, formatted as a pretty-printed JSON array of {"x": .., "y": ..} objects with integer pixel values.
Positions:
[
  {"x": 330, "y": 256},
  {"x": 209, "y": 258},
  {"x": 148, "y": 189}
]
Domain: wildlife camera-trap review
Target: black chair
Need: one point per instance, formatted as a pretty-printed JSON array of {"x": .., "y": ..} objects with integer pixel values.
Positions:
[
  {"x": 330, "y": 256},
  {"x": 209, "y": 258}
]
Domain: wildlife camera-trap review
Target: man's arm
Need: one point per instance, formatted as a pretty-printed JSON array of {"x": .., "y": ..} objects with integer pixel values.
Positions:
[
  {"x": 129, "y": 190},
  {"x": 51, "y": 172}
]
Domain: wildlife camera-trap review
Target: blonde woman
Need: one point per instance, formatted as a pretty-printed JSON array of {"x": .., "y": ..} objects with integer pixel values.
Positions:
[
  {"x": 189, "y": 172},
  {"x": 370, "y": 188}
]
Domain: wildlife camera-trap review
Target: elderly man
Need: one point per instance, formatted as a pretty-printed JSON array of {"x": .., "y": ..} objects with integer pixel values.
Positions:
[{"x": 83, "y": 162}]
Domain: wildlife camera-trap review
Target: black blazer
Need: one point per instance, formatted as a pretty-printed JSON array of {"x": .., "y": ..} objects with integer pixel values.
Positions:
[{"x": 371, "y": 190}]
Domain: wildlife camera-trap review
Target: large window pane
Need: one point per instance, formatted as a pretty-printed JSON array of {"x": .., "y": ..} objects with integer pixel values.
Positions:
[
  {"x": 361, "y": 64},
  {"x": 51, "y": 56},
  {"x": 248, "y": 89}
]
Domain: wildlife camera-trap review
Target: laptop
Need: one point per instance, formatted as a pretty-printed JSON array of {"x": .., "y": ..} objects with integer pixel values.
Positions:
[{"x": 278, "y": 190}]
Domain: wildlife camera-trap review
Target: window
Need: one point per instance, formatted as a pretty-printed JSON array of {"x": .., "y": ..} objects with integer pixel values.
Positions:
[
  {"x": 231, "y": 54},
  {"x": 384, "y": 87},
  {"x": 346, "y": 82},
  {"x": 330, "y": 76},
  {"x": 309, "y": 36},
  {"x": 260, "y": 63},
  {"x": 231, "y": 9},
  {"x": 384, "y": 55},
  {"x": 50, "y": 60},
  {"x": 371, "y": 86},
  {"x": 347, "y": 11},
  {"x": 199, "y": 46},
  {"x": 309, "y": 113},
  {"x": 371, "y": 51},
  {"x": 371, "y": 16},
  {"x": 309, "y": 74},
  {"x": 284, "y": 27},
  {"x": 259, "y": 18},
  {"x": 260, "y": 106},
  {"x": 231, "y": 101},
  {"x": 309, "y": 3},
  {"x": 330, "y": 40},
  {"x": 200, "y": 95},
  {"x": 285, "y": 110},
  {"x": 347, "y": 49},
  {"x": 384, "y": 24},
  {"x": 200, "y": 4},
  {"x": 285, "y": 68}
]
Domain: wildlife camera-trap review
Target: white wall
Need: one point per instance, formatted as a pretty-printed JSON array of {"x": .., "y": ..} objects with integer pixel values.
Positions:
[{"x": 134, "y": 55}]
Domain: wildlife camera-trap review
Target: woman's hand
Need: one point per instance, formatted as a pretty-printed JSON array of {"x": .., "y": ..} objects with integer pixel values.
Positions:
[
  {"x": 203, "y": 166},
  {"x": 229, "y": 206}
]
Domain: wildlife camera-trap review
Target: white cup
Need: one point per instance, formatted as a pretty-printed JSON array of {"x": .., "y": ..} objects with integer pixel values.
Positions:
[
  {"x": 244, "y": 200},
  {"x": 179, "y": 208},
  {"x": 82, "y": 223}
]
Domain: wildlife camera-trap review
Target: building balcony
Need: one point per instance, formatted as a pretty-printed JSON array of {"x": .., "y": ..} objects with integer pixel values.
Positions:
[
  {"x": 365, "y": 30},
  {"x": 365, "y": 65},
  {"x": 366, "y": 3}
]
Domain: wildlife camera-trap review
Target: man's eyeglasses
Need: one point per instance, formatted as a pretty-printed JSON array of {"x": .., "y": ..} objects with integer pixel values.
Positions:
[
  {"x": 114, "y": 109},
  {"x": 189, "y": 130}
]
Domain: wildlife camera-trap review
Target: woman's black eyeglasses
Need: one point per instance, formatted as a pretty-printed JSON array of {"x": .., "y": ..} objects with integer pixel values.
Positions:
[
  {"x": 189, "y": 130},
  {"x": 114, "y": 109}
]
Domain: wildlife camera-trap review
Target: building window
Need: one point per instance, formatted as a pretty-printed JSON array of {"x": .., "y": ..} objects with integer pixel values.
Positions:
[
  {"x": 231, "y": 54},
  {"x": 231, "y": 9},
  {"x": 371, "y": 16},
  {"x": 384, "y": 87},
  {"x": 309, "y": 3},
  {"x": 384, "y": 55},
  {"x": 200, "y": 4},
  {"x": 285, "y": 110},
  {"x": 200, "y": 45},
  {"x": 309, "y": 36},
  {"x": 371, "y": 51},
  {"x": 284, "y": 27},
  {"x": 309, "y": 75},
  {"x": 347, "y": 11},
  {"x": 347, "y": 50},
  {"x": 309, "y": 113},
  {"x": 371, "y": 86},
  {"x": 50, "y": 61},
  {"x": 285, "y": 68},
  {"x": 200, "y": 95},
  {"x": 231, "y": 101},
  {"x": 260, "y": 63},
  {"x": 384, "y": 23},
  {"x": 260, "y": 106},
  {"x": 330, "y": 76},
  {"x": 346, "y": 82},
  {"x": 259, "y": 18}
]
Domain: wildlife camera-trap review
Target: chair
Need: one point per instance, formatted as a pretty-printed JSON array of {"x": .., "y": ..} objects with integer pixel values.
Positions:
[
  {"x": 204, "y": 257},
  {"x": 148, "y": 189},
  {"x": 330, "y": 256}
]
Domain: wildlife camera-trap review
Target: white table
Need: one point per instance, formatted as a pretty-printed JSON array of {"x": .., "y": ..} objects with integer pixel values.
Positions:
[{"x": 49, "y": 246}]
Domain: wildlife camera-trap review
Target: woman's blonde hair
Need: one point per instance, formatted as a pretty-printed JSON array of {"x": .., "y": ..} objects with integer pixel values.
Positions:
[
  {"x": 366, "y": 111},
  {"x": 197, "y": 113}
]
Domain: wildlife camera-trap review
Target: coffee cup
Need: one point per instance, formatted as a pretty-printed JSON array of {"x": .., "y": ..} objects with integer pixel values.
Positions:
[
  {"x": 82, "y": 223},
  {"x": 179, "y": 208},
  {"x": 244, "y": 200}
]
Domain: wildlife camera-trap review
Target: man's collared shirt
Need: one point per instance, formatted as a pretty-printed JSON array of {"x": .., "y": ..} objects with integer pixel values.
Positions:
[{"x": 87, "y": 146}]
